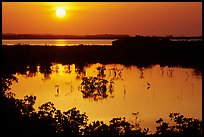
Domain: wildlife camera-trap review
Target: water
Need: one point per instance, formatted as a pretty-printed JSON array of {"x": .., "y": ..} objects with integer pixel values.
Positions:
[
  {"x": 154, "y": 92},
  {"x": 58, "y": 42}
]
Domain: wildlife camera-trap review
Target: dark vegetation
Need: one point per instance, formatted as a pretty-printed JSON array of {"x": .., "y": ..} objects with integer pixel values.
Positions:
[
  {"x": 140, "y": 51},
  {"x": 94, "y": 87},
  {"x": 97, "y": 36},
  {"x": 19, "y": 118},
  {"x": 52, "y": 36},
  {"x": 97, "y": 88}
]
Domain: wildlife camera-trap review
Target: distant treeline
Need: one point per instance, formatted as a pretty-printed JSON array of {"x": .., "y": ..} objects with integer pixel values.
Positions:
[
  {"x": 184, "y": 56},
  {"x": 97, "y": 36},
  {"x": 153, "y": 41},
  {"x": 139, "y": 51},
  {"x": 52, "y": 36}
]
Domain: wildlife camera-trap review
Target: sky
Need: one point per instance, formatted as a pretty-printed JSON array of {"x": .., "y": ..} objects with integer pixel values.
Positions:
[{"x": 82, "y": 18}]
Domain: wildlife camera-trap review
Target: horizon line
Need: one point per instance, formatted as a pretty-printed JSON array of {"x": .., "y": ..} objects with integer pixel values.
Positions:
[{"x": 115, "y": 34}]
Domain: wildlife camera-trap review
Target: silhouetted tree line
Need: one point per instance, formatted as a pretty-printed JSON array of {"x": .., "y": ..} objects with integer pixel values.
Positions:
[
  {"x": 185, "y": 54},
  {"x": 155, "y": 41},
  {"x": 19, "y": 118},
  {"x": 52, "y": 36}
]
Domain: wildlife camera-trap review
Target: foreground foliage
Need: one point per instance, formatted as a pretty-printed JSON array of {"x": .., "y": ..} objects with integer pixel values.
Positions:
[{"x": 18, "y": 117}]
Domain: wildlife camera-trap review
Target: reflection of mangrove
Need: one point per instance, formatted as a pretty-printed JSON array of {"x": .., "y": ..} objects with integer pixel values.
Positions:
[
  {"x": 197, "y": 72},
  {"x": 170, "y": 73},
  {"x": 148, "y": 85},
  {"x": 116, "y": 73},
  {"x": 57, "y": 92},
  {"x": 80, "y": 71},
  {"x": 141, "y": 72},
  {"x": 101, "y": 72},
  {"x": 96, "y": 88},
  {"x": 162, "y": 71},
  {"x": 46, "y": 71},
  {"x": 19, "y": 118},
  {"x": 70, "y": 88}
]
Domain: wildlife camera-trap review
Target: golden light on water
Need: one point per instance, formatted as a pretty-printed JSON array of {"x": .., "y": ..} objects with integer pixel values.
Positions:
[{"x": 171, "y": 90}]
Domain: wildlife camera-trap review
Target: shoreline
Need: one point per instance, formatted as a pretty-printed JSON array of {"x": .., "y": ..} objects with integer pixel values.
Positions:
[{"x": 165, "y": 56}]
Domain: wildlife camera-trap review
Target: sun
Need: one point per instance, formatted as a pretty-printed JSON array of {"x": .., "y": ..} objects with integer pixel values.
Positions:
[{"x": 60, "y": 12}]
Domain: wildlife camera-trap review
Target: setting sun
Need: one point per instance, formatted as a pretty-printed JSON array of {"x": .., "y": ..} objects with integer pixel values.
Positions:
[
  {"x": 60, "y": 12},
  {"x": 102, "y": 69}
]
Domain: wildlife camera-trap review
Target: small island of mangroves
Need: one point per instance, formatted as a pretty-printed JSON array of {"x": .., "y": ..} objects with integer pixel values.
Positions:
[{"x": 138, "y": 50}]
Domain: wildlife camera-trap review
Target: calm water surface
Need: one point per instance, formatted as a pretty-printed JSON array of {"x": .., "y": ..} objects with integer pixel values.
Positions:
[
  {"x": 58, "y": 42},
  {"x": 154, "y": 92}
]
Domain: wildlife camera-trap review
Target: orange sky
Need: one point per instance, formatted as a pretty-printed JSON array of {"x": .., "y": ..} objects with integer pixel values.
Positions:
[{"x": 133, "y": 18}]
